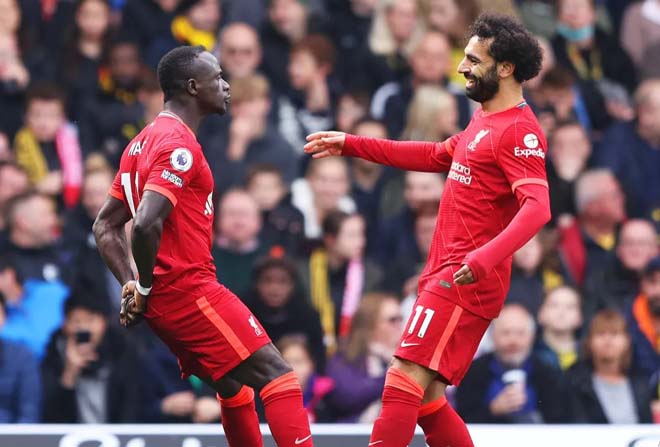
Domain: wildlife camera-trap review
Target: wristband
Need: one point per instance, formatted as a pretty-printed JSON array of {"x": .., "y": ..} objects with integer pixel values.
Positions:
[{"x": 144, "y": 291}]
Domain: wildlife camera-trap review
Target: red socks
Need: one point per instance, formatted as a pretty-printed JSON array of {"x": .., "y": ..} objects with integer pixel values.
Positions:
[
  {"x": 402, "y": 398},
  {"x": 286, "y": 416},
  {"x": 442, "y": 426},
  {"x": 239, "y": 419}
]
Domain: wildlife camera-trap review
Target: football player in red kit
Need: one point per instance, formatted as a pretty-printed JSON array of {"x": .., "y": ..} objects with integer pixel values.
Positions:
[
  {"x": 165, "y": 185},
  {"x": 495, "y": 200}
]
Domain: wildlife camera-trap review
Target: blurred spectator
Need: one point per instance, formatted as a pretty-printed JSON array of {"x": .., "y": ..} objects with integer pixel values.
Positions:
[
  {"x": 282, "y": 223},
  {"x": 324, "y": 189},
  {"x": 150, "y": 96},
  {"x": 644, "y": 321},
  {"x": 398, "y": 232},
  {"x": 308, "y": 106},
  {"x": 82, "y": 50},
  {"x": 148, "y": 23},
  {"x": 640, "y": 30},
  {"x": 375, "y": 188},
  {"x": 315, "y": 387},
  {"x": 336, "y": 275},
  {"x": 560, "y": 98},
  {"x": 452, "y": 18},
  {"x": 90, "y": 370},
  {"x": 396, "y": 28},
  {"x": 432, "y": 115},
  {"x": 528, "y": 276},
  {"x": 593, "y": 55},
  {"x": 90, "y": 270},
  {"x": 402, "y": 277},
  {"x": 197, "y": 23},
  {"x": 13, "y": 182},
  {"x": 15, "y": 74},
  {"x": 559, "y": 318},
  {"x": 349, "y": 27},
  {"x": 110, "y": 119},
  {"x": 252, "y": 139},
  {"x": 352, "y": 107},
  {"x": 602, "y": 388},
  {"x": 618, "y": 282},
  {"x": 359, "y": 368},
  {"x": 569, "y": 152},
  {"x": 289, "y": 22},
  {"x": 236, "y": 246},
  {"x": 47, "y": 147},
  {"x": 547, "y": 63},
  {"x": 34, "y": 230},
  {"x": 20, "y": 389},
  {"x": 429, "y": 62},
  {"x": 166, "y": 398},
  {"x": 32, "y": 309},
  {"x": 512, "y": 384},
  {"x": 587, "y": 243},
  {"x": 5, "y": 149},
  {"x": 638, "y": 166},
  {"x": 281, "y": 306},
  {"x": 240, "y": 51}
]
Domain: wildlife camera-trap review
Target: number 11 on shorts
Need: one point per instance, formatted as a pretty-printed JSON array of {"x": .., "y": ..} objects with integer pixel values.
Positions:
[{"x": 428, "y": 314}]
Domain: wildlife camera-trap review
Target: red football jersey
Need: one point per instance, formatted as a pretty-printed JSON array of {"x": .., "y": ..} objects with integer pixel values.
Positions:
[
  {"x": 486, "y": 163},
  {"x": 165, "y": 157}
]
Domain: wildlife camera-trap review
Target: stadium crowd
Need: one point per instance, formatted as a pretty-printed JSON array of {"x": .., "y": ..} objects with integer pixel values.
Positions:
[{"x": 326, "y": 253}]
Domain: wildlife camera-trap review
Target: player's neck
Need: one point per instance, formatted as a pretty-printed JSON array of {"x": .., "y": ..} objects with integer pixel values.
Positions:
[
  {"x": 506, "y": 98},
  {"x": 187, "y": 114}
]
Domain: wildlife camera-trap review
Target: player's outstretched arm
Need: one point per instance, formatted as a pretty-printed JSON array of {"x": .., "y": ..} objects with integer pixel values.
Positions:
[
  {"x": 409, "y": 155},
  {"x": 147, "y": 230},
  {"x": 111, "y": 238}
]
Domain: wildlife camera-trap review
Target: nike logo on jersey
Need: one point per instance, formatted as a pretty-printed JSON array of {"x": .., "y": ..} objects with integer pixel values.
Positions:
[
  {"x": 300, "y": 441},
  {"x": 405, "y": 345}
]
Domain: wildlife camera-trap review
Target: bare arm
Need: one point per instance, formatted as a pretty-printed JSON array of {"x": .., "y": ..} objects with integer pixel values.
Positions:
[
  {"x": 147, "y": 229},
  {"x": 111, "y": 238}
]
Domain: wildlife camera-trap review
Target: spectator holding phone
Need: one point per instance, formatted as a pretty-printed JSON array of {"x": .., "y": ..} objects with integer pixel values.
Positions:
[{"x": 89, "y": 372}]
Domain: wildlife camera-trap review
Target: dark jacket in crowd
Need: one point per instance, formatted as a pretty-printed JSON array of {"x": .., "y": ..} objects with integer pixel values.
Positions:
[
  {"x": 584, "y": 404},
  {"x": 473, "y": 397},
  {"x": 611, "y": 287},
  {"x": 20, "y": 385},
  {"x": 283, "y": 226},
  {"x": 118, "y": 361},
  {"x": 646, "y": 357}
]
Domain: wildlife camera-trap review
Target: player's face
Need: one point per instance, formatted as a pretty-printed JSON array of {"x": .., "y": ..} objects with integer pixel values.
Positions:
[
  {"x": 213, "y": 90},
  {"x": 480, "y": 70}
]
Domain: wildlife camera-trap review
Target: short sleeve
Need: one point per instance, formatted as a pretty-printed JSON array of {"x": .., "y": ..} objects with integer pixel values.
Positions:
[
  {"x": 115, "y": 189},
  {"x": 171, "y": 171},
  {"x": 521, "y": 155}
]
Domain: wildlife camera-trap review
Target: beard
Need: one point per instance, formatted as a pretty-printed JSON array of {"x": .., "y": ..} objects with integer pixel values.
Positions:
[{"x": 485, "y": 87}]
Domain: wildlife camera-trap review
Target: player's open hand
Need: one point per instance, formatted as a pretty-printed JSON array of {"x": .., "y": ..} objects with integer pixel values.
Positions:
[
  {"x": 133, "y": 305},
  {"x": 463, "y": 276},
  {"x": 325, "y": 144}
]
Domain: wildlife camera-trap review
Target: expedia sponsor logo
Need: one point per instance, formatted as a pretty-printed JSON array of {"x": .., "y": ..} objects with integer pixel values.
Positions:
[
  {"x": 460, "y": 173},
  {"x": 527, "y": 152}
]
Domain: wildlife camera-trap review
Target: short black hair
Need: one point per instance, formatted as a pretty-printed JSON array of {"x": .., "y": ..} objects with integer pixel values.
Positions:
[
  {"x": 89, "y": 300},
  {"x": 175, "y": 68},
  {"x": 511, "y": 43}
]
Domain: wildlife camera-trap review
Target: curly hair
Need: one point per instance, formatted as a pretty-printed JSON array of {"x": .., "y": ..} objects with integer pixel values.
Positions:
[
  {"x": 175, "y": 68},
  {"x": 511, "y": 43}
]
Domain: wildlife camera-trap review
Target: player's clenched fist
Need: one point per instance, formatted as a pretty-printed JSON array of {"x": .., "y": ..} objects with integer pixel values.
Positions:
[
  {"x": 325, "y": 144},
  {"x": 133, "y": 305}
]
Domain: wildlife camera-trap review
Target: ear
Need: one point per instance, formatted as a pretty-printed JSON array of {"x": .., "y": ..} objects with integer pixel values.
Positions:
[
  {"x": 191, "y": 87},
  {"x": 505, "y": 69}
]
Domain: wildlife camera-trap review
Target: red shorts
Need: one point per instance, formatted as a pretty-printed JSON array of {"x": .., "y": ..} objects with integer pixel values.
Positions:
[
  {"x": 210, "y": 334},
  {"x": 441, "y": 336}
]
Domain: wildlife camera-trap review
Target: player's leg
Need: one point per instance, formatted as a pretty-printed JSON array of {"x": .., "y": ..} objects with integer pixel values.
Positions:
[
  {"x": 280, "y": 391},
  {"x": 405, "y": 383},
  {"x": 239, "y": 416},
  {"x": 442, "y": 426}
]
